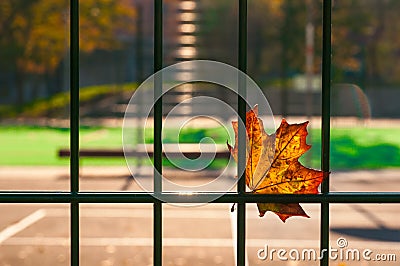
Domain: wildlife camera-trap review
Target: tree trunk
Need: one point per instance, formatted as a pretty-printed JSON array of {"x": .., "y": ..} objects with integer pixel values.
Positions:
[{"x": 19, "y": 87}]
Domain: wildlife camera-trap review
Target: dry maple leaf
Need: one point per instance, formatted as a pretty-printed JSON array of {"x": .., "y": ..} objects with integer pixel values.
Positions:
[{"x": 273, "y": 166}]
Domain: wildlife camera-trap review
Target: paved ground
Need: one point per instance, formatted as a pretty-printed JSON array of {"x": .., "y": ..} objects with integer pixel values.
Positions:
[{"x": 121, "y": 234}]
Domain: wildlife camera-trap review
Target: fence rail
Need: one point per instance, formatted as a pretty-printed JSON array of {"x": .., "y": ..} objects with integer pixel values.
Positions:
[{"x": 142, "y": 197}]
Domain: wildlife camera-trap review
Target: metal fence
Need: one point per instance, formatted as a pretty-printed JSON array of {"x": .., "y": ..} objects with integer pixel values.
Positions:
[{"x": 74, "y": 197}]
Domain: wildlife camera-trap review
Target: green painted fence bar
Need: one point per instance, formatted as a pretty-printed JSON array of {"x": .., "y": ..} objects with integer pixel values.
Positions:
[
  {"x": 158, "y": 61},
  {"x": 135, "y": 197},
  {"x": 74, "y": 126},
  {"x": 241, "y": 186},
  {"x": 325, "y": 127}
]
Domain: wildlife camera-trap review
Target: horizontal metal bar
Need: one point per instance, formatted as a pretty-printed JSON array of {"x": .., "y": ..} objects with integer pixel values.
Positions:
[{"x": 142, "y": 197}]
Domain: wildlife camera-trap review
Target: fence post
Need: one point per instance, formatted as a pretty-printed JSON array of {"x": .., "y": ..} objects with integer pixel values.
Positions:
[
  {"x": 241, "y": 188},
  {"x": 157, "y": 208},
  {"x": 325, "y": 131},
  {"x": 74, "y": 127}
]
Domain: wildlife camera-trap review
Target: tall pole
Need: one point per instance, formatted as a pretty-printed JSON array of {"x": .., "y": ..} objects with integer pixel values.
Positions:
[
  {"x": 309, "y": 31},
  {"x": 309, "y": 53}
]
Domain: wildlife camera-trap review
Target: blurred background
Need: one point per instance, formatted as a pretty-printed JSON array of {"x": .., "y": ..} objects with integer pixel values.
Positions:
[
  {"x": 116, "y": 54},
  {"x": 116, "y": 44}
]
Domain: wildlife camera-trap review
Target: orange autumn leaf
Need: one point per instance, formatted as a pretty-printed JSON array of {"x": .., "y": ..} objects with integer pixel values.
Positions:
[{"x": 273, "y": 166}]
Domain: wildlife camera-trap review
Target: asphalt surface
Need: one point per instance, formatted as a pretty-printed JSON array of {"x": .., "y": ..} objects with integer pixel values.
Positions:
[{"x": 121, "y": 234}]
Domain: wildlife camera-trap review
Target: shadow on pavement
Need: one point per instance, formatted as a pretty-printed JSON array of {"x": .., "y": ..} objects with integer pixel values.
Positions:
[{"x": 379, "y": 234}]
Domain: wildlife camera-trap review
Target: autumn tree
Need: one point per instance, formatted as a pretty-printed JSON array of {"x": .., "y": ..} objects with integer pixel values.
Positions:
[
  {"x": 366, "y": 42},
  {"x": 275, "y": 35},
  {"x": 34, "y": 35},
  {"x": 365, "y": 39}
]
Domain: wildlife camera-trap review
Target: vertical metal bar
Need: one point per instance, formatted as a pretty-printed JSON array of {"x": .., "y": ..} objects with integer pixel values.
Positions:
[
  {"x": 74, "y": 127},
  {"x": 74, "y": 212},
  {"x": 241, "y": 188},
  {"x": 157, "y": 208},
  {"x": 326, "y": 91},
  {"x": 74, "y": 93}
]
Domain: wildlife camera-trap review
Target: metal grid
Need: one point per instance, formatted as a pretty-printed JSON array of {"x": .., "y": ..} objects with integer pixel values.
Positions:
[{"x": 74, "y": 197}]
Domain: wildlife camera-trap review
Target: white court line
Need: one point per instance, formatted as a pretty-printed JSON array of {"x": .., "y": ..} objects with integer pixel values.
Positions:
[
  {"x": 134, "y": 213},
  {"x": 217, "y": 207},
  {"x": 21, "y": 225},
  {"x": 234, "y": 236},
  {"x": 141, "y": 241},
  {"x": 188, "y": 242},
  {"x": 233, "y": 220}
]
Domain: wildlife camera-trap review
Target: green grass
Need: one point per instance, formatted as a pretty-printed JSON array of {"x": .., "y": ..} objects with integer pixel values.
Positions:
[
  {"x": 357, "y": 148},
  {"x": 39, "y": 145},
  {"x": 351, "y": 148},
  {"x": 29, "y": 145}
]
